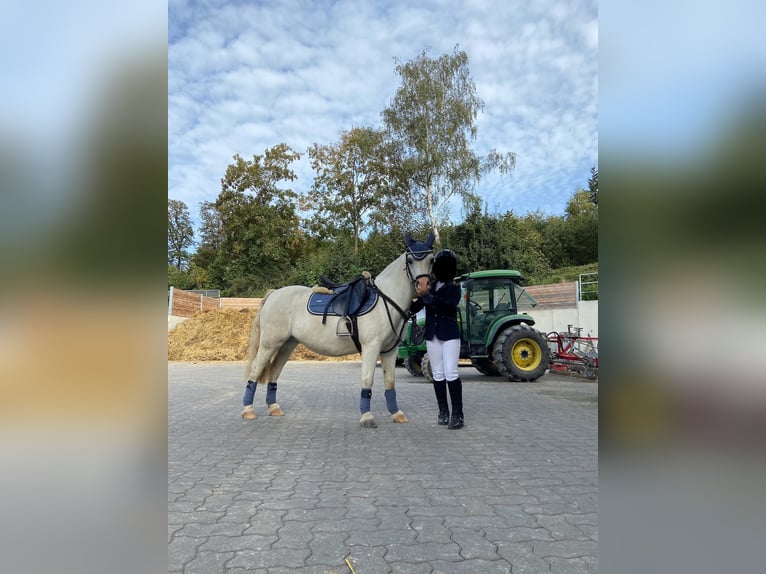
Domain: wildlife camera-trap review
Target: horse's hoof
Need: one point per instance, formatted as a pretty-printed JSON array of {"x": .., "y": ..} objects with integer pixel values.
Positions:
[
  {"x": 275, "y": 411},
  {"x": 367, "y": 421},
  {"x": 248, "y": 413},
  {"x": 399, "y": 417}
]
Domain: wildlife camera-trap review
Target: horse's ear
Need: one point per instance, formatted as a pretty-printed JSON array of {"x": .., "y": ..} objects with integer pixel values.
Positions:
[
  {"x": 408, "y": 239},
  {"x": 430, "y": 240}
]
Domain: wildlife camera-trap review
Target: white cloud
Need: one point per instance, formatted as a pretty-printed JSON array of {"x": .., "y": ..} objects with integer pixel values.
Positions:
[{"x": 243, "y": 78}]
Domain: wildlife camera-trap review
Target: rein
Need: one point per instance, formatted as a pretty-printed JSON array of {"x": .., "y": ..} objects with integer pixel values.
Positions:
[{"x": 405, "y": 315}]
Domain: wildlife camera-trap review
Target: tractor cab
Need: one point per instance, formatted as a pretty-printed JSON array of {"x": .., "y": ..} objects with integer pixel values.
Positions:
[{"x": 486, "y": 297}]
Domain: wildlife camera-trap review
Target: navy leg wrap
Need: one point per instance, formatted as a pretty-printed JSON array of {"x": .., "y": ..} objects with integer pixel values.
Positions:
[
  {"x": 364, "y": 402},
  {"x": 249, "y": 394},
  {"x": 391, "y": 400},
  {"x": 271, "y": 393}
]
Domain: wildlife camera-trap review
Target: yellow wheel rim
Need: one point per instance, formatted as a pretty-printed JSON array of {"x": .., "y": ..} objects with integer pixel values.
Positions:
[{"x": 526, "y": 354}]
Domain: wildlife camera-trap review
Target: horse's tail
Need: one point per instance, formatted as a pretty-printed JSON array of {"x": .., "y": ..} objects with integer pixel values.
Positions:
[{"x": 255, "y": 336}]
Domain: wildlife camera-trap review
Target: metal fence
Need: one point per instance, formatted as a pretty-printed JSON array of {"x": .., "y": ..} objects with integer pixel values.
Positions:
[
  {"x": 207, "y": 292},
  {"x": 587, "y": 287}
]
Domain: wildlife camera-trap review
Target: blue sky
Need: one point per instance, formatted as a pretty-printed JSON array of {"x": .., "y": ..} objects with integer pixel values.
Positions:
[{"x": 244, "y": 76}]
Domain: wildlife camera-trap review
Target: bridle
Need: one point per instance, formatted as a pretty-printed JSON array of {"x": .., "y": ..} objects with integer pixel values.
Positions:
[
  {"x": 417, "y": 256},
  {"x": 406, "y": 315}
]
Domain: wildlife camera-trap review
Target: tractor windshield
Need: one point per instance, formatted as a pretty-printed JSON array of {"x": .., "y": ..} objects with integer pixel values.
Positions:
[{"x": 490, "y": 295}]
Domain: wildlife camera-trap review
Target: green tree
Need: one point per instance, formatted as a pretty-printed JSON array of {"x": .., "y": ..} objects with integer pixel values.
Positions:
[
  {"x": 176, "y": 277},
  {"x": 582, "y": 228},
  {"x": 180, "y": 234},
  {"x": 555, "y": 241},
  {"x": 194, "y": 277},
  {"x": 381, "y": 248},
  {"x": 432, "y": 120},
  {"x": 580, "y": 205},
  {"x": 593, "y": 185},
  {"x": 313, "y": 262},
  {"x": 211, "y": 227},
  {"x": 352, "y": 178},
  {"x": 504, "y": 241},
  {"x": 259, "y": 228},
  {"x": 521, "y": 241},
  {"x": 211, "y": 238},
  {"x": 197, "y": 276}
]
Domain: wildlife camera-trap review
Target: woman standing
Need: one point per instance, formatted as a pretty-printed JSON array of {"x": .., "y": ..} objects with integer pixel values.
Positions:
[{"x": 443, "y": 336}]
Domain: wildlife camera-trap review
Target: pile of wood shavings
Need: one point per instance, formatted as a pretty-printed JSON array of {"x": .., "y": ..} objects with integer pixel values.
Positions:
[{"x": 222, "y": 335}]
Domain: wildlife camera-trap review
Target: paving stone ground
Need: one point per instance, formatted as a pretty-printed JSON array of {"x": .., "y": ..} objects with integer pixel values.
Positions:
[{"x": 514, "y": 491}]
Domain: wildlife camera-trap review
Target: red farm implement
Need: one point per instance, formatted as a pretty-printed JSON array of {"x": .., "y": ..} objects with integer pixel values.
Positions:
[{"x": 573, "y": 354}]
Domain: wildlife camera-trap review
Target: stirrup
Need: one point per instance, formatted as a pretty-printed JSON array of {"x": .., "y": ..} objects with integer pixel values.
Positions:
[{"x": 344, "y": 322}]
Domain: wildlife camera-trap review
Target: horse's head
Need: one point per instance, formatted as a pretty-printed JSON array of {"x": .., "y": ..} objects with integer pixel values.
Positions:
[{"x": 419, "y": 259}]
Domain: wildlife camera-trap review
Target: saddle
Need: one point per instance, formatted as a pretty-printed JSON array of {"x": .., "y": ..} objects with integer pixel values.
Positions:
[
  {"x": 345, "y": 300},
  {"x": 348, "y": 300}
]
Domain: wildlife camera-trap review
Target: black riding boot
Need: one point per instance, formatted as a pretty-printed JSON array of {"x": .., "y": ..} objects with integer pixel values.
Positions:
[
  {"x": 440, "y": 389},
  {"x": 456, "y": 395}
]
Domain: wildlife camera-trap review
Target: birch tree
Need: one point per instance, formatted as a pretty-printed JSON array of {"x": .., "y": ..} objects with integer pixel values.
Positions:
[{"x": 432, "y": 121}]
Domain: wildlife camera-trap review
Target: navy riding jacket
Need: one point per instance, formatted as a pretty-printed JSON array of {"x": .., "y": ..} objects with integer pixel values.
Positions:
[{"x": 441, "y": 311}]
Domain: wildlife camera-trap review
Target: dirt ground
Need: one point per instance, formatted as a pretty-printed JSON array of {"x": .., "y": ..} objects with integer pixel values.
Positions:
[{"x": 222, "y": 335}]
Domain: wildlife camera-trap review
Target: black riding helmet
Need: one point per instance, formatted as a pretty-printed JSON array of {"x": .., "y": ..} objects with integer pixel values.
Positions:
[{"x": 445, "y": 265}]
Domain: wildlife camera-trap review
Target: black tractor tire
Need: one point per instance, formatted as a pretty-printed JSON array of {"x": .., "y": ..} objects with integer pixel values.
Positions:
[
  {"x": 485, "y": 367},
  {"x": 425, "y": 365},
  {"x": 521, "y": 353},
  {"x": 413, "y": 364}
]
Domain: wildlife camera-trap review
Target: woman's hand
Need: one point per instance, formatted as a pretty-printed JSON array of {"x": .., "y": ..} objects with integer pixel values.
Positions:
[{"x": 422, "y": 285}]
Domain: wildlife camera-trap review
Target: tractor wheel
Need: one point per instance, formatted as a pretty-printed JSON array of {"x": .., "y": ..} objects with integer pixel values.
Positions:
[
  {"x": 418, "y": 334},
  {"x": 485, "y": 367},
  {"x": 521, "y": 353},
  {"x": 413, "y": 364},
  {"x": 425, "y": 365}
]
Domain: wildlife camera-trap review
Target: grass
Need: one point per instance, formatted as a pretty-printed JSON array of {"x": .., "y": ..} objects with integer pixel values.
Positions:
[{"x": 564, "y": 274}]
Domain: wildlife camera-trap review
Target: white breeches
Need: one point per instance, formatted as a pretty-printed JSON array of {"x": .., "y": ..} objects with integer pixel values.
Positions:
[{"x": 443, "y": 356}]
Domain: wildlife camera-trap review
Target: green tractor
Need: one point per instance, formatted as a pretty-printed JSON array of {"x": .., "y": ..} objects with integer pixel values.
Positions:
[{"x": 497, "y": 339}]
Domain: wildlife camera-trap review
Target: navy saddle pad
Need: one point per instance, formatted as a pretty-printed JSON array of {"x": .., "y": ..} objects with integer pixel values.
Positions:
[{"x": 339, "y": 304}]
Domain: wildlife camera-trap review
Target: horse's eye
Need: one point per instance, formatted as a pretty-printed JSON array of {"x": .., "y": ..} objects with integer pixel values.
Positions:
[{"x": 409, "y": 259}]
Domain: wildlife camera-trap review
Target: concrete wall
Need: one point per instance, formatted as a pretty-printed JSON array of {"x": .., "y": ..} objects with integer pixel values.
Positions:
[
  {"x": 174, "y": 321},
  {"x": 584, "y": 314}
]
